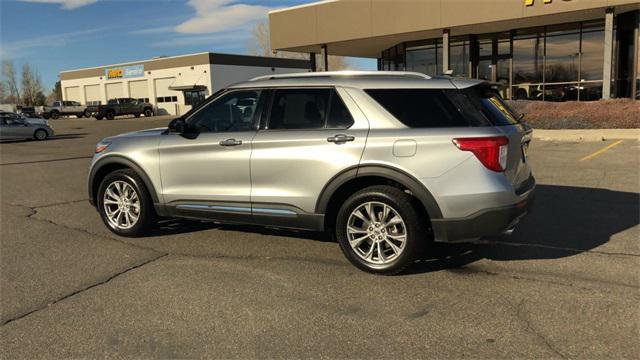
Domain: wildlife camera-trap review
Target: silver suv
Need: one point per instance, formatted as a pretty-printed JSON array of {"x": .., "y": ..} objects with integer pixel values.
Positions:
[{"x": 385, "y": 161}]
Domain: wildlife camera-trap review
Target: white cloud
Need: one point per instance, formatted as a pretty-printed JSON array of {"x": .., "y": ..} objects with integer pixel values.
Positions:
[
  {"x": 18, "y": 48},
  {"x": 220, "y": 15},
  {"x": 65, "y": 4}
]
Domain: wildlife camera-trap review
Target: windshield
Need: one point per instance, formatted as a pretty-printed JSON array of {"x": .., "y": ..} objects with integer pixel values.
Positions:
[{"x": 491, "y": 105}]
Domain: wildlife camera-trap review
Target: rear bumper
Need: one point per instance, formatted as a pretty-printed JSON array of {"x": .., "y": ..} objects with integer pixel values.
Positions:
[{"x": 486, "y": 223}]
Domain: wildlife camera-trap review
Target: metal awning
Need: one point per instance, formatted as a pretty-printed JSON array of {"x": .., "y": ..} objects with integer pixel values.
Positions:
[{"x": 187, "y": 87}]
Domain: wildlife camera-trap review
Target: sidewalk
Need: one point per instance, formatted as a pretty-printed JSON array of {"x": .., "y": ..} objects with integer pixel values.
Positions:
[{"x": 586, "y": 134}]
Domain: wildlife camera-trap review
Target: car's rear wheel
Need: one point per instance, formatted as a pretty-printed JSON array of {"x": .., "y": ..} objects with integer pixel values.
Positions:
[
  {"x": 79, "y": 116},
  {"x": 99, "y": 117},
  {"x": 40, "y": 135},
  {"x": 55, "y": 115},
  {"x": 136, "y": 115},
  {"x": 380, "y": 230},
  {"x": 148, "y": 112},
  {"x": 110, "y": 115},
  {"x": 124, "y": 204}
]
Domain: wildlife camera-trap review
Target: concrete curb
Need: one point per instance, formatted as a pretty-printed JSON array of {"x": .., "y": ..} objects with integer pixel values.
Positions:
[{"x": 586, "y": 134}]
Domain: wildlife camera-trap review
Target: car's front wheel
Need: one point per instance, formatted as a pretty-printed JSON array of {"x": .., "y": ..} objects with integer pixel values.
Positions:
[
  {"x": 40, "y": 134},
  {"x": 380, "y": 230},
  {"x": 124, "y": 204}
]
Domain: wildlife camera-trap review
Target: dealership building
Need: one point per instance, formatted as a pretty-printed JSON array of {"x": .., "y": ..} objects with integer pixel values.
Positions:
[
  {"x": 535, "y": 49},
  {"x": 172, "y": 84}
]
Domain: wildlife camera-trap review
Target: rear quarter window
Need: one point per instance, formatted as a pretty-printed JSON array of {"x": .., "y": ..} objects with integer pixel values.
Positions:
[
  {"x": 491, "y": 105},
  {"x": 420, "y": 108}
]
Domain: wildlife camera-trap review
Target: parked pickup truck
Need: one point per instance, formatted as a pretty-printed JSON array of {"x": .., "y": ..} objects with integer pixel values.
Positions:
[
  {"x": 123, "y": 106},
  {"x": 64, "y": 108}
]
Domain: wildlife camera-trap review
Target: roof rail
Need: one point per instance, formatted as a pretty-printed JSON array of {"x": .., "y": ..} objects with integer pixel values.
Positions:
[{"x": 344, "y": 73}]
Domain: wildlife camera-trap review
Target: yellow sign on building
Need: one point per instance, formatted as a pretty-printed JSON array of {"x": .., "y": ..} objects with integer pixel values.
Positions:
[{"x": 531, "y": 2}]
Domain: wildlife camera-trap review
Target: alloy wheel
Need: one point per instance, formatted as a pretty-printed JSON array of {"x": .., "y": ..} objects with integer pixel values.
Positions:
[
  {"x": 121, "y": 205},
  {"x": 377, "y": 233}
]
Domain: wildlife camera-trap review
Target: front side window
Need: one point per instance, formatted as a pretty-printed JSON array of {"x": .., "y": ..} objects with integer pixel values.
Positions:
[
  {"x": 227, "y": 113},
  {"x": 299, "y": 109},
  {"x": 420, "y": 108}
]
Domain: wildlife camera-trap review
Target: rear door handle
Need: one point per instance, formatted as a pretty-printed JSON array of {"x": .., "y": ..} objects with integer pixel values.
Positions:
[
  {"x": 231, "y": 142},
  {"x": 340, "y": 138}
]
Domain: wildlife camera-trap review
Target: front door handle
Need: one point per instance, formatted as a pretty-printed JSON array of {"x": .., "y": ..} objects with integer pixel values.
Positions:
[
  {"x": 340, "y": 138},
  {"x": 231, "y": 142}
]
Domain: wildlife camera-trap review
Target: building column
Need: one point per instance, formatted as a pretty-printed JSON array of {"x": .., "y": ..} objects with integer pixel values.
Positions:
[
  {"x": 607, "y": 65},
  {"x": 325, "y": 58},
  {"x": 445, "y": 51},
  {"x": 312, "y": 62}
]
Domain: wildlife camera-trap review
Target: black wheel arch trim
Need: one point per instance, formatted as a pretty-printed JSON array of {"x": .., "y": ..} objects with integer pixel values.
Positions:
[
  {"x": 117, "y": 159},
  {"x": 388, "y": 172}
]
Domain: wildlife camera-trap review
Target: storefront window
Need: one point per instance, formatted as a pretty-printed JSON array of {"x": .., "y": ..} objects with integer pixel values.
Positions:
[
  {"x": 592, "y": 52},
  {"x": 562, "y": 55},
  {"x": 528, "y": 53},
  {"x": 426, "y": 59},
  {"x": 459, "y": 58}
]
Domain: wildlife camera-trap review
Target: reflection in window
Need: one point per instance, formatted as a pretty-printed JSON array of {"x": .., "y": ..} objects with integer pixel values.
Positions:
[
  {"x": 528, "y": 51},
  {"x": 459, "y": 57},
  {"x": 425, "y": 59},
  {"x": 592, "y": 51},
  {"x": 562, "y": 55}
]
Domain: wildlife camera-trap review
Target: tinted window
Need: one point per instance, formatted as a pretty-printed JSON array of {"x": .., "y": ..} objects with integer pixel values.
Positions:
[
  {"x": 491, "y": 105},
  {"x": 299, "y": 109},
  {"x": 420, "y": 108},
  {"x": 112, "y": 102},
  {"x": 339, "y": 115},
  {"x": 226, "y": 114}
]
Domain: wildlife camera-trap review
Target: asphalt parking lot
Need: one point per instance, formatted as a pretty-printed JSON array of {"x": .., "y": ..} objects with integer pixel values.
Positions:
[{"x": 566, "y": 284}]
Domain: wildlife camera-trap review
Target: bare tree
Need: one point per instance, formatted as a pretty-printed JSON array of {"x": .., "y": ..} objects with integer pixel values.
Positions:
[
  {"x": 10, "y": 82},
  {"x": 31, "y": 86},
  {"x": 260, "y": 45}
]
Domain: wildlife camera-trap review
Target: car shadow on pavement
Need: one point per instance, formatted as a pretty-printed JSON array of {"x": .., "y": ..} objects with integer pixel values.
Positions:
[
  {"x": 57, "y": 137},
  {"x": 565, "y": 221}
]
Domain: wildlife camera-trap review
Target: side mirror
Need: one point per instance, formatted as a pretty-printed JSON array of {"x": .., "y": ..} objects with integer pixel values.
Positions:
[{"x": 177, "y": 126}]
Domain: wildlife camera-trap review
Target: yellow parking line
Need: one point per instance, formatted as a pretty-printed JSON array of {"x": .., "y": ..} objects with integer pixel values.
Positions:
[{"x": 601, "y": 150}]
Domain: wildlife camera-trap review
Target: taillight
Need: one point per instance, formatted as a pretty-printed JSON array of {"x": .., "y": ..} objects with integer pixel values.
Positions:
[{"x": 491, "y": 151}]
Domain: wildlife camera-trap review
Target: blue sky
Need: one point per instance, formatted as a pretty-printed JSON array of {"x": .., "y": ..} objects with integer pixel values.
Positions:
[{"x": 55, "y": 35}]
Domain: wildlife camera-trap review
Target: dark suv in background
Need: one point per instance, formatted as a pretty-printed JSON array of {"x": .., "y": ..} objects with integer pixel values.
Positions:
[{"x": 123, "y": 106}]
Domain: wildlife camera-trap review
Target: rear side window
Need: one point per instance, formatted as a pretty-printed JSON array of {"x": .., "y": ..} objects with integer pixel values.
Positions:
[
  {"x": 420, "y": 108},
  {"x": 295, "y": 109},
  {"x": 491, "y": 105}
]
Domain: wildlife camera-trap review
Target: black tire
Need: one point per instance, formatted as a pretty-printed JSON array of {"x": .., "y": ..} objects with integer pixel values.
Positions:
[
  {"x": 40, "y": 135},
  {"x": 415, "y": 228},
  {"x": 99, "y": 117},
  {"x": 86, "y": 114},
  {"x": 148, "y": 112},
  {"x": 110, "y": 115},
  {"x": 55, "y": 115},
  {"x": 147, "y": 216},
  {"x": 79, "y": 116},
  {"x": 136, "y": 115},
  {"x": 46, "y": 116}
]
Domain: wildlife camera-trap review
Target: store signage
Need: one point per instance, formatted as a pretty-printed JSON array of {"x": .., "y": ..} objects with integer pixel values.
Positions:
[
  {"x": 125, "y": 72},
  {"x": 530, "y": 2}
]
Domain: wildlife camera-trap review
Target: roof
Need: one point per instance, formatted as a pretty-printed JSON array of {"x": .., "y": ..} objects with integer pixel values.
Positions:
[
  {"x": 358, "y": 79},
  {"x": 367, "y": 27},
  {"x": 204, "y": 58}
]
